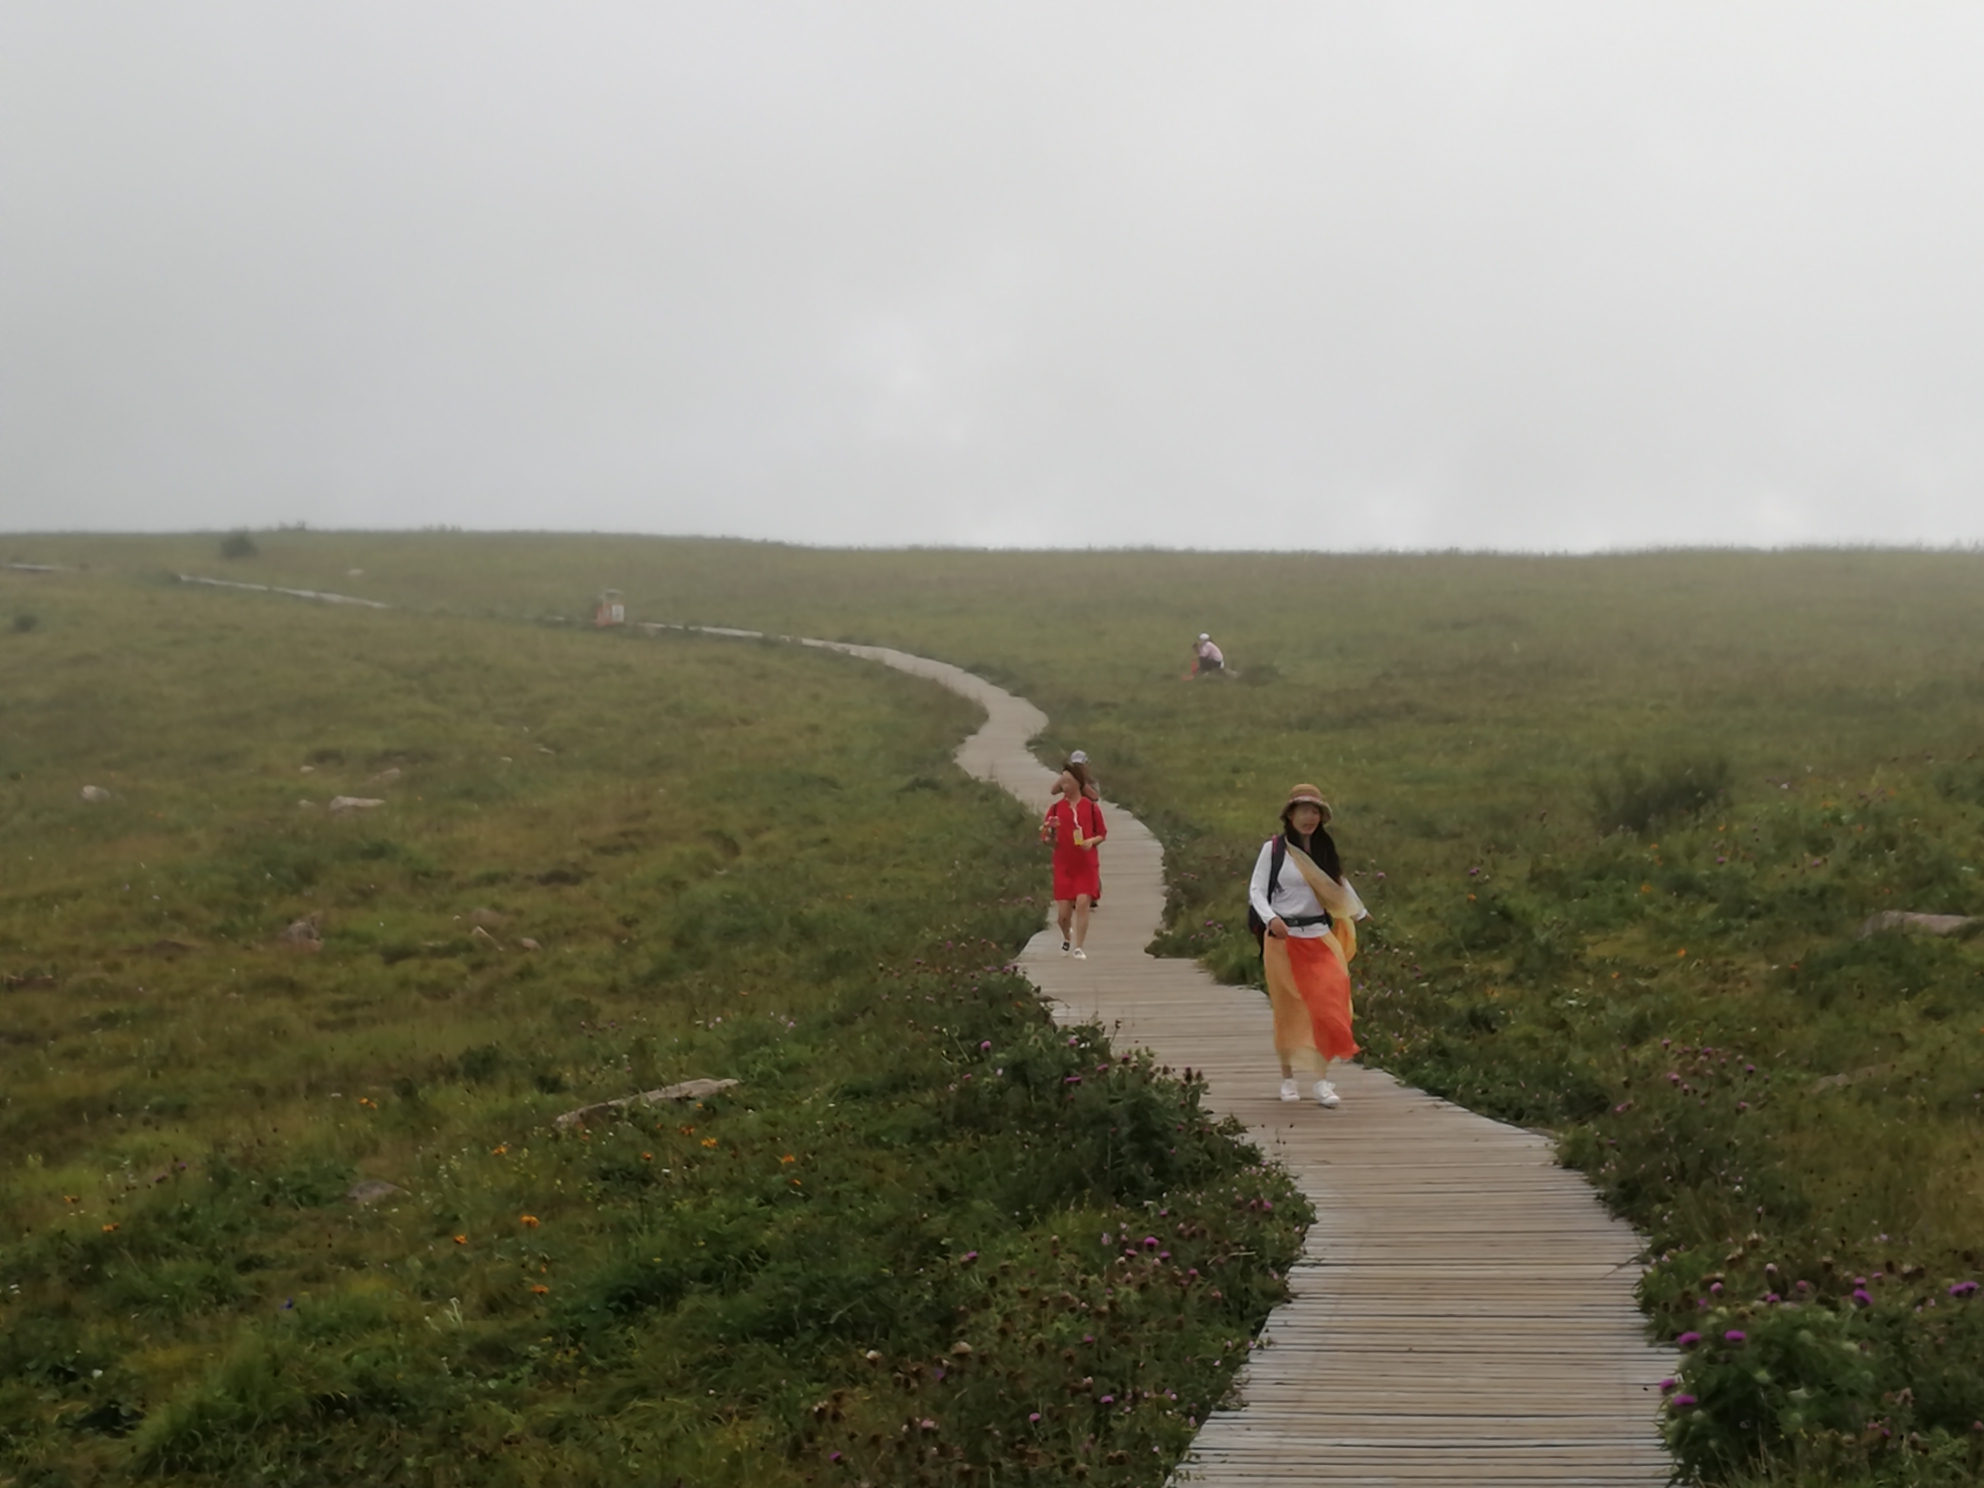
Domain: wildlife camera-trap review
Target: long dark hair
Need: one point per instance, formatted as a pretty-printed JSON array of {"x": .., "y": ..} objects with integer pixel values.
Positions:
[{"x": 1321, "y": 846}]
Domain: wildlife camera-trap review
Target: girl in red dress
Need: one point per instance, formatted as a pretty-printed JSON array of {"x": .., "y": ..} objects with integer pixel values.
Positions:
[{"x": 1074, "y": 825}]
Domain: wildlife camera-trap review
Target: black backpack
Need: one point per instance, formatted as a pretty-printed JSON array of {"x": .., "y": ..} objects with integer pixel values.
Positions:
[{"x": 1277, "y": 855}]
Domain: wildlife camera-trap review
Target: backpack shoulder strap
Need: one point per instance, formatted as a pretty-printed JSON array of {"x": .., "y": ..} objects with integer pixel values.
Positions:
[{"x": 1277, "y": 855}]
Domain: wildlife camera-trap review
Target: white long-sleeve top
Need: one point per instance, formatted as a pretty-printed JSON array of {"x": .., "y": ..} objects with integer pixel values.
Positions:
[{"x": 1293, "y": 898}]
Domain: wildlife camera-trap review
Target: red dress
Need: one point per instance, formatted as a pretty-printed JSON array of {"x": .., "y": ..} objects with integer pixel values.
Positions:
[{"x": 1075, "y": 870}]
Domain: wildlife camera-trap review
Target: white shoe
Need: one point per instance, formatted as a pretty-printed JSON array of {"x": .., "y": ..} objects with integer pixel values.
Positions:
[
  {"x": 1290, "y": 1091},
  {"x": 1080, "y": 954},
  {"x": 1326, "y": 1095}
]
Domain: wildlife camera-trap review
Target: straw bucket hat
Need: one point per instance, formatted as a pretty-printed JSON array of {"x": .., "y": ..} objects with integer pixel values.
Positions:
[{"x": 1308, "y": 795}]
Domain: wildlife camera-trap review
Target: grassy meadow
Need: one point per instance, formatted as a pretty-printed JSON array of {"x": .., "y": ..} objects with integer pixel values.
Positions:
[
  {"x": 908, "y": 1247},
  {"x": 1618, "y": 820}
]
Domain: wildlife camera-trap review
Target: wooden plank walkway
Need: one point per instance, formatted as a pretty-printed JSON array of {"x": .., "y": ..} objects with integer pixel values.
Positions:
[{"x": 1463, "y": 1313}]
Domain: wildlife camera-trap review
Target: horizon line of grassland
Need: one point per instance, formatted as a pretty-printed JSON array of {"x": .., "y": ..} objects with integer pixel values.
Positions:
[
  {"x": 1684, "y": 1002},
  {"x": 930, "y": 1237}
]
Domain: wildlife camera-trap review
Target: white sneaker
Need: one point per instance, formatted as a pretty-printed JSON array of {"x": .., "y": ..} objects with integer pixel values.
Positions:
[
  {"x": 1080, "y": 954},
  {"x": 1290, "y": 1091},
  {"x": 1326, "y": 1095}
]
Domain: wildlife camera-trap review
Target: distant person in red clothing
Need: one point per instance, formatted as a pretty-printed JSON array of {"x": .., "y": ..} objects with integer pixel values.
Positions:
[
  {"x": 1077, "y": 766},
  {"x": 1074, "y": 826}
]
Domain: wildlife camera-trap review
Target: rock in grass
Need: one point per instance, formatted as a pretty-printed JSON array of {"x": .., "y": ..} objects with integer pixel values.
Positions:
[
  {"x": 1919, "y": 924},
  {"x": 95, "y": 794},
  {"x": 371, "y": 1190},
  {"x": 687, "y": 1090},
  {"x": 302, "y": 935},
  {"x": 1852, "y": 1077},
  {"x": 487, "y": 917},
  {"x": 528, "y": 944},
  {"x": 385, "y": 777},
  {"x": 344, "y": 805}
]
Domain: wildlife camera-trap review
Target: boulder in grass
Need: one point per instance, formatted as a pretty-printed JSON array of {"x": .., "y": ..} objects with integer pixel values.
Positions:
[
  {"x": 487, "y": 917},
  {"x": 302, "y": 935},
  {"x": 688, "y": 1090},
  {"x": 528, "y": 944},
  {"x": 385, "y": 777},
  {"x": 345, "y": 805},
  {"x": 95, "y": 794},
  {"x": 1919, "y": 924},
  {"x": 371, "y": 1190}
]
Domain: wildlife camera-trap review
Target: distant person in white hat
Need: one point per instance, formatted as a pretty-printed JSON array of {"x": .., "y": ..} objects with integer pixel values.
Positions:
[{"x": 1206, "y": 657}]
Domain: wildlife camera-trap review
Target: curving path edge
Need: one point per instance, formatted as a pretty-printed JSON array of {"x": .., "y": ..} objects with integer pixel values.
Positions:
[{"x": 1463, "y": 1312}]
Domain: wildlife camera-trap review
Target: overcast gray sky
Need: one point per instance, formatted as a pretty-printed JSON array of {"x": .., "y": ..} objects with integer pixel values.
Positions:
[{"x": 1561, "y": 276}]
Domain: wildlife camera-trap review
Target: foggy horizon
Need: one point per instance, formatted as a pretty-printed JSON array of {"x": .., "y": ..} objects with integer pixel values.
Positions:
[{"x": 1533, "y": 279}]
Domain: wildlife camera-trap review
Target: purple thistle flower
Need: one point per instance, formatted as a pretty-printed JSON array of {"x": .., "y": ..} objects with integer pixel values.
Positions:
[
  {"x": 1862, "y": 1298},
  {"x": 984, "y": 1045},
  {"x": 1034, "y": 1418},
  {"x": 1963, "y": 1288},
  {"x": 1681, "y": 1402},
  {"x": 1108, "y": 1400},
  {"x": 1735, "y": 1335},
  {"x": 1688, "y": 1340},
  {"x": 1150, "y": 1242},
  {"x": 1667, "y": 1385}
]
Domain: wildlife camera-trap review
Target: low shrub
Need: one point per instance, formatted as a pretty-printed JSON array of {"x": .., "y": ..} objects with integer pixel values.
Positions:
[{"x": 1633, "y": 795}]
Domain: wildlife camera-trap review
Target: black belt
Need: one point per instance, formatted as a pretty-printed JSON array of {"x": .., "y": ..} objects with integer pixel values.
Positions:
[{"x": 1303, "y": 922}]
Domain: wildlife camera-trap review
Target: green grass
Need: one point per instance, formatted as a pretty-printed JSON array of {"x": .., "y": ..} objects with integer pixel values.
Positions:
[
  {"x": 1485, "y": 727},
  {"x": 924, "y": 1203}
]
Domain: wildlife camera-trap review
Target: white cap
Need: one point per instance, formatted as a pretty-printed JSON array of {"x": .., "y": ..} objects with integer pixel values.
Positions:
[
  {"x": 1203, "y": 636},
  {"x": 1079, "y": 757}
]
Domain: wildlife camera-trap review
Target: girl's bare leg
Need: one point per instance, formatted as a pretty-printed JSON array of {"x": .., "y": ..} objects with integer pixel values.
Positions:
[
  {"x": 1064, "y": 910},
  {"x": 1081, "y": 921}
]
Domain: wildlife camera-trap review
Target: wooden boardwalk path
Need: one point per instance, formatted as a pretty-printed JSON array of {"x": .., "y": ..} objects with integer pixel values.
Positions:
[{"x": 1463, "y": 1313}]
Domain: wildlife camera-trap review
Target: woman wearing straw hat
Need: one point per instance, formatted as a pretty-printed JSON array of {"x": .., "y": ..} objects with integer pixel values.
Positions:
[{"x": 1309, "y": 914}]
